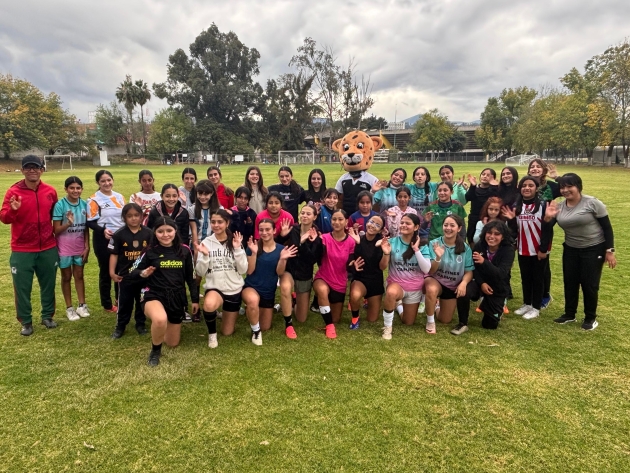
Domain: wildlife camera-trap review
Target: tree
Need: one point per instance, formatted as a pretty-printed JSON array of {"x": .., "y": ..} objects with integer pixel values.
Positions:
[
  {"x": 432, "y": 133},
  {"x": 610, "y": 74},
  {"x": 126, "y": 95},
  {"x": 111, "y": 125},
  {"x": 374, "y": 123},
  {"x": 143, "y": 95},
  {"x": 30, "y": 119},
  {"x": 170, "y": 131}
]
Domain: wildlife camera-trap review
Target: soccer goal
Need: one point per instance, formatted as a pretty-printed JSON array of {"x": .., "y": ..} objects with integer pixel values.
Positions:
[
  {"x": 300, "y": 156},
  {"x": 521, "y": 159},
  {"x": 63, "y": 157}
]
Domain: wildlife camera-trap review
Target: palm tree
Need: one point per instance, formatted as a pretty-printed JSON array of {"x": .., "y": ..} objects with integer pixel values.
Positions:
[
  {"x": 126, "y": 94},
  {"x": 143, "y": 94}
]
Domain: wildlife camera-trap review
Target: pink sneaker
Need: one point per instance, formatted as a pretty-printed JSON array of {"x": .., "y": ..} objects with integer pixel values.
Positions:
[
  {"x": 114, "y": 309},
  {"x": 290, "y": 331},
  {"x": 330, "y": 331}
]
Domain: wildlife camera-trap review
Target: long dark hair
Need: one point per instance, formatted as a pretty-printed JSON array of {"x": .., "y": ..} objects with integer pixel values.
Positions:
[
  {"x": 502, "y": 228},
  {"x": 519, "y": 199},
  {"x": 260, "y": 242},
  {"x": 321, "y": 173},
  {"x": 277, "y": 196},
  {"x": 261, "y": 187},
  {"x": 100, "y": 173},
  {"x": 229, "y": 243},
  {"x": 73, "y": 180},
  {"x": 389, "y": 184},
  {"x": 427, "y": 188},
  {"x": 416, "y": 222},
  {"x": 460, "y": 244},
  {"x": 509, "y": 193},
  {"x": 193, "y": 194},
  {"x": 206, "y": 187},
  {"x": 293, "y": 186},
  {"x": 177, "y": 240},
  {"x": 146, "y": 172},
  {"x": 130, "y": 206}
]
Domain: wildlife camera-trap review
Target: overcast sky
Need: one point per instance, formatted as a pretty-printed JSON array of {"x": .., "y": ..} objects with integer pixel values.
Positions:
[{"x": 449, "y": 54}]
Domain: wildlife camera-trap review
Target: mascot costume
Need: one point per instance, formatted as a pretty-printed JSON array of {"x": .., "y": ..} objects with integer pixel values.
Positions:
[{"x": 356, "y": 153}]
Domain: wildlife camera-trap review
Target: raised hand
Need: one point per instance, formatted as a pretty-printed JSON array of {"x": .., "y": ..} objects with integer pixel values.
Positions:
[
  {"x": 200, "y": 248},
  {"x": 461, "y": 181},
  {"x": 253, "y": 246},
  {"x": 353, "y": 234},
  {"x": 358, "y": 264},
  {"x": 494, "y": 182},
  {"x": 70, "y": 217},
  {"x": 551, "y": 211},
  {"x": 477, "y": 258},
  {"x": 385, "y": 245},
  {"x": 15, "y": 202},
  {"x": 438, "y": 249},
  {"x": 288, "y": 252},
  {"x": 285, "y": 227},
  {"x": 428, "y": 216},
  {"x": 378, "y": 185},
  {"x": 472, "y": 179},
  {"x": 552, "y": 172},
  {"x": 147, "y": 272},
  {"x": 508, "y": 213},
  {"x": 237, "y": 240}
]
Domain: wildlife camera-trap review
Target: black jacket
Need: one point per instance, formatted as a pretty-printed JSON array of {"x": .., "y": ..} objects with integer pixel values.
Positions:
[{"x": 495, "y": 273}]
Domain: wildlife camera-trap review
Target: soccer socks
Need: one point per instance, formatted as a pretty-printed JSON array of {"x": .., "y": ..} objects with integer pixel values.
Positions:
[
  {"x": 288, "y": 321},
  {"x": 255, "y": 327},
  {"x": 430, "y": 319},
  {"x": 399, "y": 309},
  {"x": 157, "y": 348},
  {"x": 325, "y": 311},
  {"x": 211, "y": 320},
  {"x": 355, "y": 316},
  {"x": 388, "y": 318}
]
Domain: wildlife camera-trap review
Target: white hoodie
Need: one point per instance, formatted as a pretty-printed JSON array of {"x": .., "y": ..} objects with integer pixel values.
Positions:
[{"x": 222, "y": 269}]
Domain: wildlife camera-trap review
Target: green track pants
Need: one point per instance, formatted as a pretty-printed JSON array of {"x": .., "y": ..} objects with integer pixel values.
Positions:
[{"x": 24, "y": 266}]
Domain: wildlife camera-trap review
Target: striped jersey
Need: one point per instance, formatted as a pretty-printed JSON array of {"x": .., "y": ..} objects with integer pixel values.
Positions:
[{"x": 530, "y": 229}]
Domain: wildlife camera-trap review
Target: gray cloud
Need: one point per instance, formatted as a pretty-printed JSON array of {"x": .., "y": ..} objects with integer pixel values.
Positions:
[{"x": 419, "y": 54}]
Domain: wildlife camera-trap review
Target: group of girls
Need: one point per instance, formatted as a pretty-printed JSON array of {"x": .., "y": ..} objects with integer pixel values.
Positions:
[{"x": 248, "y": 242}]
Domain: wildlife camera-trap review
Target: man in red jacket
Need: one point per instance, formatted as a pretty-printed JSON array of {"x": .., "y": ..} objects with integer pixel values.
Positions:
[{"x": 28, "y": 207}]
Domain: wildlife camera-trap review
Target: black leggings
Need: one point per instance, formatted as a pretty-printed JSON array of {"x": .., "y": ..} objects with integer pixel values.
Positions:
[
  {"x": 582, "y": 267},
  {"x": 99, "y": 242},
  {"x": 533, "y": 279}
]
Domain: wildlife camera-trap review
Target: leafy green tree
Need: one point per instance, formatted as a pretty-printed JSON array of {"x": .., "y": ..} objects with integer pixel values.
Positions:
[
  {"x": 432, "y": 132},
  {"x": 126, "y": 94},
  {"x": 374, "y": 123},
  {"x": 170, "y": 131},
  {"x": 143, "y": 95},
  {"x": 111, "y": 125}
]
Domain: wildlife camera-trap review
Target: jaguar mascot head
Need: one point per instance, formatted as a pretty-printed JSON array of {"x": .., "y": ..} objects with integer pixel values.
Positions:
[{"x": 356, "y": 151}]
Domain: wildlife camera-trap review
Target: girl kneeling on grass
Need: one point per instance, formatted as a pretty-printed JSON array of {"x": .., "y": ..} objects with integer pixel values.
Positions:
[
  {"x": 299, "y": 270},
  {"x": 369, "y": 261},
  {"x": 332, "y": 277},
  {"x": 266, "y": 260},
  {"x": 222, "y": 260},
  {"x": 69, "y": 223},
  {"x": 408, "y": 265},
  {"x": 534, "y": 243},
  {"x": 167, "y": 267},
  {"x": 125, "y": 247},
  {"x": 493, "y": 257},
  {"x": 451, "y": 271}
]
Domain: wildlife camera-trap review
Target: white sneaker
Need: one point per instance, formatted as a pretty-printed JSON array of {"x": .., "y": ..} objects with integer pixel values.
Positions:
[
  {"x": 241, "y": 311},
  {"x": 72, "y": 315},
  {"x": 387, "y": 333},
  {"x": 531, "y": 314},
  {"x": 522, "y": 310},
  {"x": 83, "y": 311},
  {"x": 277, "y": 307},
  {"x": 212, "y": 340},
  {"x": 219, "y": 314},
  {"x": 257, "y": 338}
]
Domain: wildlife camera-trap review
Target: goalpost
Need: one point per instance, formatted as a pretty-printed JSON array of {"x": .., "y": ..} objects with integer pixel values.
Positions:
[
  {"x": 299, "y": 156},
  {"x": 521, "y": 159},
  {"x": 63, "y": 159}
]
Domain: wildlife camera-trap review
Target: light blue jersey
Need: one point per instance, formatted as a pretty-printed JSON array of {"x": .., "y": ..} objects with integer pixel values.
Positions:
[
  {"x": 71, "y": 242},
  {"x": 452, "y": 267},
  {"x": 419, "y": 200}
]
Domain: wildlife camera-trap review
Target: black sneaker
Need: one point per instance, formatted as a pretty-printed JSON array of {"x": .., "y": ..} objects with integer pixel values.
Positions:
[
  {"x": 564, "y": 319},
  {"x": 196, "y": 318},
  {"x": 589, "y": 324},
  {"x": 187, "y": 318},
  {"x": 49, "y": 323},
  {"x": 141, "y": 329},
  {"x": 27, "y": 329},
  {"x": 154, "y": 358},
  {"x": 118, "y": 332}
]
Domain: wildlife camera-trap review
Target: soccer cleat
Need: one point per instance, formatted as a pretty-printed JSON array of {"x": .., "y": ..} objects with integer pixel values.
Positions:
[
  {"x": 523, "y": 309},
  {"x": 72, "y": 314},
  {"x": 290, "y": 332},
  {"x": 154, "y": 358},
  {"x": 330, "y": 331},
  {"x": 387, "y": 333},
  {"x": 49, "y": 323},
  {"x": 430, "y": 328},
  {"x": 187, "y": 318},
  {"x": 531, "y": 314},
  {"x": 459, "y": 329},
  {"x": 478, "y": 308},
  {"x": 589, "y": 325},
  {"x": 113, "y": 310},
  {"x": 545, "y": 302},
  {"x": 83, "y": 311},
  {"x": 315, "y": 309},
  {"x": 565, "y": 319},
  {"x": 505, "y": 309},
  {"x": 212, "y": 340},
  {"x": 257, "y": 338},
  {"x": 27, "y": 329},
  {"x": 354, "y": 326},
  {"x": 277, "y": 307},
  {"x": 241, "y": 311}
]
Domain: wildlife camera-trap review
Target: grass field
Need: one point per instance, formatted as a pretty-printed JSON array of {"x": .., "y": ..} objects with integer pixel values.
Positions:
[{"x": 531, "y": 396}]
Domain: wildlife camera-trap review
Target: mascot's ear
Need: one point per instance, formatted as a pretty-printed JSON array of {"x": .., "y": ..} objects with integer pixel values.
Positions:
[
  {"x": 337, "y": 144},
  {"x": 377, "y": 141}
]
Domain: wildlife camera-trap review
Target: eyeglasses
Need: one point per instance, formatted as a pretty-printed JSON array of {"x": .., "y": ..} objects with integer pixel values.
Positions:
[
  {"x": 32, "y": 167},
  {"x": 373, "y": 223}
]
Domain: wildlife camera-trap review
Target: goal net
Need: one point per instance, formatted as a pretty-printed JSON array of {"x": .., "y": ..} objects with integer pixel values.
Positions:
[
  {"x": 521, "y": 159},
  {"x": 62, "y": 157},
  {"x": 300, "y": 156}
]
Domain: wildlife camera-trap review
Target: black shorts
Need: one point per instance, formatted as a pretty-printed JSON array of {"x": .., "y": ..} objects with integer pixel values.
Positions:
[
  {"x": 266, "y": 303},
  {"x": 336, "y": 297},
  {"x": 174, "y": 310},
  {"x": 374, "y": 287},
  {"x": 231, "y": 302}
]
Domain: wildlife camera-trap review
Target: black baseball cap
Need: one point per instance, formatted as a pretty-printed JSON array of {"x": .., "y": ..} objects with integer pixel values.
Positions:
[{"x": 31, "y": 159}]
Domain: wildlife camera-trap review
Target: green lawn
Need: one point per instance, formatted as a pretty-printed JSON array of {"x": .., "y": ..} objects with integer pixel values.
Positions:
[{"x": 531, "y": 396}]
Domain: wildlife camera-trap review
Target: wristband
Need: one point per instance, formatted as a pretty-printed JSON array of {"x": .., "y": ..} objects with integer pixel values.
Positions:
[{"x": 438, "y": 260}]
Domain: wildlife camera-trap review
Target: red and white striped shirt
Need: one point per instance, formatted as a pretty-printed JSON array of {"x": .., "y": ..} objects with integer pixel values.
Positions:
[{"x": 530, "y": 229}]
